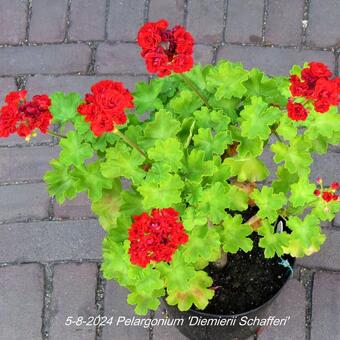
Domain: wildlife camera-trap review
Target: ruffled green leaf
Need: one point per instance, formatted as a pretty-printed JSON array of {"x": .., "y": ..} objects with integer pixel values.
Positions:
[
  {"x": 146, "y": 96},
  {"x": 284, "y": 180},
  {"x": 64, "y": 106},
  {"x": 213, "y": 119},
  {"x": 185, "y": 103},
  {"x": 326, "y": 211},
  {"x": 302, "y": 193}
]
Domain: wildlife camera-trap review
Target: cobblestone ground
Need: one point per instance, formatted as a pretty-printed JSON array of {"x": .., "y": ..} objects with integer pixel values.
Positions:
[{"x": 49, "y": 254}]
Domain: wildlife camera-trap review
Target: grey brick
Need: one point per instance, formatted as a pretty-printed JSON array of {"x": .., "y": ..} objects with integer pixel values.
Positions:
[
  {"x": 205, "y": 20},
  {"x": 119, "y": 58},
  {"x": 77, "y": 208},
  {"x": 31, "y": 162},
  {"x": 125, "y": 19},
  {"x": 284, "y": 22},
  {"x": 173, "y": 11},
  {"x": 203, "y": 54},
  {"x": 80, "y": 84},
  {"x": 329, "y": 255},
  {"x": 327, "y": 167},
  {"x": 324, "y": 24},
  {"x": 326, "y": 306},
  {"x": 48, "y": 20},
  {"x": 6, "y": 85},
  {"x": 337, "y": 220},
  {"x": 87, "y": 20},
  {"x": 74, "y": 287},
  {"x": 244, "y": 21},
  {"x": 51, "y": 241},
  {"x": 21, "y": 301},
  {"x": 54, "y": 59},
  {"x": 12, "y": 21},
  {"x": 273, "y": 60},
  {"x": 116, "y": 306},
  {"x": 290, "y": 303},
  {"x": 23, "y": 201},
  {"x": 20, "y": 141}
]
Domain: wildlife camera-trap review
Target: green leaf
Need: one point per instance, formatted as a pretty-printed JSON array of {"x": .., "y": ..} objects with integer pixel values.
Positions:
[
  {"x": 273, "y": 243},
  {"x": 146, "y": 96},
  {"x": 306, "y": 237},
  {"x": 234, "y": 235},
  {"x": 212, "y": 145},
  {"x": 74, "y": 152},
  {"x": 237, "y": 199},
  {"x": 64, "y": 106},
  {"x": 60, "y": 181},
  {"x": 326, "y": 211},
  {"x": 187, "y": 131},
  {"x": 214, "y": 119},
  {"x": 284, "y": 181},
  {"x": 192, "y": 218},
  {"x": 158, "y": 172},
  {"x": 302, "y": 193},
  {"x": 257, "y": 118},
  {"x": 163, "y": 194},
  {"x": 268, "y": 202},
  {"x": 131, "y": 203},
  {"x": 227, "y": 80},
  {"x": 185, "y": 103},
  {"x": 247, "y": 147},
  {"x": 123, "y": 161},
  {"x": 247, "y": 168},
  {"x": 287, "y": 128}
]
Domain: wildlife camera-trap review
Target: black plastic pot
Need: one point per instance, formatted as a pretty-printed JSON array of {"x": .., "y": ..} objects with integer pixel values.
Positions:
[{"x": 230, "y": 330}]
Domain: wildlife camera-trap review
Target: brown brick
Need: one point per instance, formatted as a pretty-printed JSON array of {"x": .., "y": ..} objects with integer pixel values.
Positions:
[
  {"x": 119, "y": 58},
  {"x": 324, "y": 24},
  {"x": 173, "y": 11},
  {"x": 205, "y": 20},
  {"x": 12, "y": 21},
  {"x": 203, "y": 54},
  {"x": 326, "y": 306},
  {"x": 74, "y": 291},
  {"x": 273, "y": 60},
  {"x": 48, "y": 20},
  {"x": 244, "y": 21},
  {"x": 125, "y": 19},
  {"x": 284, "y": 22},
  {"x": 21, "y": 300},
  {"x": 51, "y": 59},
  {"x": 87, "y": 20},
  {"x": 30, "y": 162}
]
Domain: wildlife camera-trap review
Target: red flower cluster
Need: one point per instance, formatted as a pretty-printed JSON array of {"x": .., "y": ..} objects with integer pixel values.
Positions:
[
  {"x": 23, "y": 117},
  {"x": 329, "y": 194},
  {"x": 315, "y": 86},
  {"x": 105, "y": 106},
  {"x": 155, "y": 237},
  {"x": 166, "y": 50}
]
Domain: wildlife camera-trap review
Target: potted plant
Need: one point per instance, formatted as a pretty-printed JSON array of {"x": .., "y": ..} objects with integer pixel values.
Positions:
[{"x": 184, "y": 198}]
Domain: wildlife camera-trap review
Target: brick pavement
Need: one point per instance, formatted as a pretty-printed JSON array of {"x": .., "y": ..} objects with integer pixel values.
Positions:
[{"x": 49, "y": 254}]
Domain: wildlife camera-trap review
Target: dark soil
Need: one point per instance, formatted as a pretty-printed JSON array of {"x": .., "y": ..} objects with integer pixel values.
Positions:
[{"x": 247, "y": 281}]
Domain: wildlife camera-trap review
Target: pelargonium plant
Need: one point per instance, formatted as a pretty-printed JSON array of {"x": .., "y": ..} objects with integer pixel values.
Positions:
[{"x": 170, "y": 190}]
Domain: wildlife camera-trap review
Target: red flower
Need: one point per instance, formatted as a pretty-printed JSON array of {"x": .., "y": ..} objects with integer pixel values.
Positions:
[
  {"x": 317, "y": 192},
  {"x": 296, "y": 111},
  {"x": 105, "y": 106},
  {"x": 335, "y": 197},
  {"x": 335, "y": 185},
  {"x": 327, "y": 196},
  {"x": 165, "y": 50},
  {"x": 325, "y": 94},
  {"x": 319, "y": 70},
  {"x": 23, "y": 117},
  {"x": 297, "y": 87},
  {"x": 155, "y": 237}
]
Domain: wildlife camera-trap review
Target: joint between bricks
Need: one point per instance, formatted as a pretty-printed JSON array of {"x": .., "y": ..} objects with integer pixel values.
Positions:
[
  {"x": 100, "y": 299},
  {"x": 91, "y": 69},
  {"x": 146, "y": 10},
  {"x": 305, "y": 22},
  {"x": 186, "y": 12},
  {"x": 107, "y": 11},
  {"x": 225, "y": 19},
  {"x": 264, "y": 20},
  {"x": 28, "y": 21},
  {"x": 67, "y": 20},
  {"x": 48, "y": 290}
]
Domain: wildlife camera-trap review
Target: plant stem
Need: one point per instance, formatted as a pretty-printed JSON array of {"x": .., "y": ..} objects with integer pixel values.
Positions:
[
  {"x": 130, "y": 142},
  {"x": 195, "y": 89},
  {"x": 55, "y": 134},
  {"x": 277, "y": 136}
]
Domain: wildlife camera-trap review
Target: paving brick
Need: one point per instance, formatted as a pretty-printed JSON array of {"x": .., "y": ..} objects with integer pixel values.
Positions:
[
  {"x": 324, "y": 24},
  {"x": 337, "y": 220},
  {"x": 20, "y": 141},
  {"x": 77, "y": 208},
  {"x": 6, "y": 85},
  {"x": 21, "y": 300},
  {"x": 52, "y": 59},
  {"x": 327, "y": 167},
  {"x": 125, "y": 19},
  {"x": 284, "y": 22},
  {"x": 48, "y": 21},
  {"x": 87, "y": 20},
  {"x": 81, "y": 84},
  {"x": 12, "y": 21},
  {"x": 23, "y": 201},
  {"x": 290, "y": 303},
  {"x": 173, "y": 11},
  {"x": 31, "y": 162},
  {"x": 244, "y": 21},
  {"x": 273, "y": 60},
  {"x": 51, "y": 241},
  {"x": 203, "y": 54},
  {"x": 74, "y": 291},
  {"x": 119, "y": 58},
  {"x": 329, "y": 255},
  {"x": 205, "y": 20},
  {"x": 326, "y": 306},
  {"x": 117, "y": 306}
]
